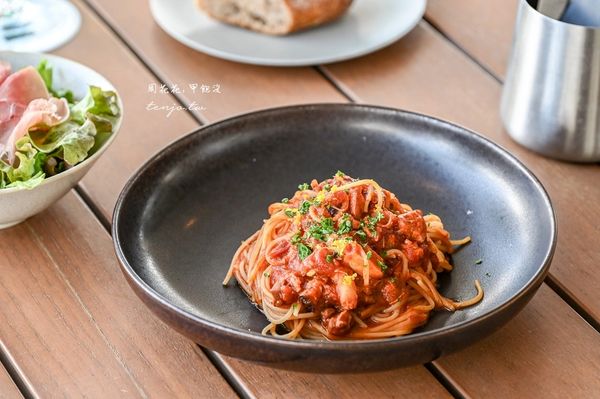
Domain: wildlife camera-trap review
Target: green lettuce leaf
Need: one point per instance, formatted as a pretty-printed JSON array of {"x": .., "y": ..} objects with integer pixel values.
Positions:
[
  {"x": 72, "y": 140},
  {"x": 46, "y": 73},
  {"x": 96, "y": 102},
  {"x": 104, "y": 129},
  {"x": 28, "y": 184},
  {"x": 25, "y": 161},
  {"x": 26, "y": 171}
]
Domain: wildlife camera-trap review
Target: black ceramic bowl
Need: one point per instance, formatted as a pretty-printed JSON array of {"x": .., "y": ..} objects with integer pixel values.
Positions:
[{"x": 181, "y": 217}]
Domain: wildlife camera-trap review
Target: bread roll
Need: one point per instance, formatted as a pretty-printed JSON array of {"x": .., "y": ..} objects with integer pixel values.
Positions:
[{"x": 275, "y": 17}]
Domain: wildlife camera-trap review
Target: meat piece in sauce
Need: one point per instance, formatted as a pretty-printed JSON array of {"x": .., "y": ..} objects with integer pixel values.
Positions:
[
  {"x": 338, "y": 323},
  {"x": 353, "y": 257},
  {"x": 346, "y": 290},
  {"x": 412, "y": 226},
  {"x": 312, "y": 293}
]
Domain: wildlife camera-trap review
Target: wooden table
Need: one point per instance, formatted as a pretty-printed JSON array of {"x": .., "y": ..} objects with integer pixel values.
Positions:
[{"x": 70, "y": 326}]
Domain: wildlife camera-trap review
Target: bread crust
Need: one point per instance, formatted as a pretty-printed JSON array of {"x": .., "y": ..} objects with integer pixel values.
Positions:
[
  {"x": 310, "y": 13},
  {"x": 303, "y": 14}
]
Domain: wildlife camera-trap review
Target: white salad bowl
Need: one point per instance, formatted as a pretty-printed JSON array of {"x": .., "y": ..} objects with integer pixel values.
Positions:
[{"x": 17, "y": 204}]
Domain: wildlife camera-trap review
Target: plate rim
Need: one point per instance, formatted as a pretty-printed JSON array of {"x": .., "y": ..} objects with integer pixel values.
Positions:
[
  {"x": 529, "y": 288},
  {"x": 306, "y": 61}
]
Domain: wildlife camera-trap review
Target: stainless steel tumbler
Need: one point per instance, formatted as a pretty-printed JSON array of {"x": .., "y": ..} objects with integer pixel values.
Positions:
[{"x": 551, "y": 97}]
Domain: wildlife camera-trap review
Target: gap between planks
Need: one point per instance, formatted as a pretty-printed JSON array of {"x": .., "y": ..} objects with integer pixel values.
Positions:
[
  {"x": 16, "y": 374},
  {"x": 449, "y": 39}
]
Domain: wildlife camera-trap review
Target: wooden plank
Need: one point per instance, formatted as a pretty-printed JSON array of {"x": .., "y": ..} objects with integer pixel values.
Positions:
[
  {"x": 244, "y": 87},
  {"x": 8, "y": 389},
  {"x": 143, "y": 132},
  {"x": 548, "y": 351},
  {"x": 484, "y": 29},
  {"x": 72, "y": 325},
  {"x": 263, "y": 382},
  {"x": 425, "y": 73}
]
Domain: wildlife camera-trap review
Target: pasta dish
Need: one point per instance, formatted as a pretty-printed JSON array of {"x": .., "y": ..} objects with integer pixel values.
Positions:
[{"x": 345, "y": 259}]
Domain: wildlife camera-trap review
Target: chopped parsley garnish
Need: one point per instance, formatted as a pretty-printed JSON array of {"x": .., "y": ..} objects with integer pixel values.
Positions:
[
  {"x": 304, "y": 207},
  {"x": 373, "y": 220},
  {"x": 344, "y": 224},
  {"x": 392, "y": 279},
  {"x": 321, "y": 230},
  {"x": 382, "y": 265},
  {"x": 369, "y": 254},
  {"x": 340, "y": 173},
  {"x": 266, "y": 274},
  {"x": 361, "y": 235},
  {"x": 285, "y": 200},
  {"x": 383, "y": 254},
  {"x": 329, "y": 258},
  {"x": 303, "y": 251},
  {"x": 327, "y": 225},
  {"x": 303, "y": 186},
  {"x": 290, "y": 213},
  {"x": 296, "y": 239},
  {"x": 315, "y": 232},
  {"x": 327, "y": 187}
]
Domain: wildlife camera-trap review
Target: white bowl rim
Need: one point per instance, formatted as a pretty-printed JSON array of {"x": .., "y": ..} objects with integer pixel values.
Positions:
[{"x": 94, "y": 156}]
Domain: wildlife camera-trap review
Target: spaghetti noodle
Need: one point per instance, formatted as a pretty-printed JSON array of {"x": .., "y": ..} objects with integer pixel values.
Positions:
[{"x": 344, "y": 259}]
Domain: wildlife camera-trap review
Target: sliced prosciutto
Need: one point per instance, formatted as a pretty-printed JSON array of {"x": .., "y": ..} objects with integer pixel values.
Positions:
[
  {"x": 17, "y": 92},
  {"x": 10, "y": 114},
  {"x": 23, "y": 86},
  {"x": 39, "y": 114}
]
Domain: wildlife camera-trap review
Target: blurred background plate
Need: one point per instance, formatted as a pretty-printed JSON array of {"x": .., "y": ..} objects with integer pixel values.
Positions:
[
  {"x": 367, "y": 26},
  {"x": 37, "y": 25}
]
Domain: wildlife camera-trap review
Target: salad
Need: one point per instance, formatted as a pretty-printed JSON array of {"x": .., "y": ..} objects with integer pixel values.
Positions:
[{"x": 45, "y": 131}]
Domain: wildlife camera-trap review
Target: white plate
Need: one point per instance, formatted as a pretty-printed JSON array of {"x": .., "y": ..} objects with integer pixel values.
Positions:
[
  {"x": 367, "y": 26},
  {"x": 42, "y": 25}
]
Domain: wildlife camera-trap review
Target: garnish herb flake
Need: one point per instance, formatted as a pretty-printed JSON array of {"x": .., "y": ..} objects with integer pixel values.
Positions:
[
  {"x": 303, "y": 251},
  {"x": 382, "y": 265},
  {"x": 304, "y": 207},
  {"x": 290, "y": 212},
  {"x": 361, "y": 235},
  {"x": 344, "y": 224}
]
